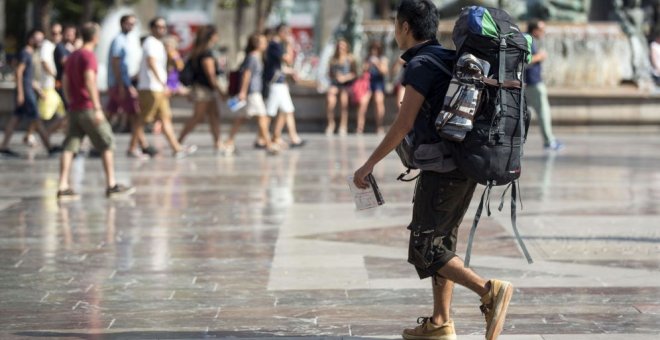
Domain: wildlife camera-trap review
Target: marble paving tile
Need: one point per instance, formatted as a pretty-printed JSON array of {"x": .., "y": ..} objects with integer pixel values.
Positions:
[{"x": 263, "y": 247}]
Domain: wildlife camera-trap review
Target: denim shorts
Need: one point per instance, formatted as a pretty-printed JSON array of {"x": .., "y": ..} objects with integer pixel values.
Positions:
[{"x": 441, "y": 200}]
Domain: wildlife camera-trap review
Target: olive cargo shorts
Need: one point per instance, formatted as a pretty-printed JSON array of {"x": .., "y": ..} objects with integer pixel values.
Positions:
[
  {"x": 83, "y": 123},
  {"x": 441, "y": 200}
]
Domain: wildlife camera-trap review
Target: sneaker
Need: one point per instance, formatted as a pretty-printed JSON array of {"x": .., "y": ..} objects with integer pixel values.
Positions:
[
  {"x": 9, "y": 153},
  {"x": 137, "y": 154},
  {"x": 150, "y": 151},
  {"x": 119, "y": 190},
  {"x": 29, "y": 140},
  {"x": 273, "y": 150},
  {"x": 67, "y": 195},
  {"x": 494, "y": 307},
  {"x": 186, "y": 150},
  {"x": 427, "y": 330},
  {"x": 554, "y": 146},
  {"x": 230, "y": 149}
]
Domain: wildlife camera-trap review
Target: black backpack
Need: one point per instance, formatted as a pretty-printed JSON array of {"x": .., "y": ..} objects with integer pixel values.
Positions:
[{"x": 491, "y": 152}]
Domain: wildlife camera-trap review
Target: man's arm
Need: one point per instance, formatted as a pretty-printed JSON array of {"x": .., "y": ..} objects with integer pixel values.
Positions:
[
  {"x": 46, "y": 67},
  {"x": 20, "y": 91},
  {"x": 90, "y": 84},
  {"x": 153, "y": 66},
  {"x": 412, "y": 103},
  {"x": 539, "y": 56},
  {"x": 116, "y": 70},
  {"x": 65, "y": 88}
]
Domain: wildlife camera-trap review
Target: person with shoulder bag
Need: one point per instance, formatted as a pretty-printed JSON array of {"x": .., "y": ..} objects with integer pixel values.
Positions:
[{"x": 203, "y": 68}]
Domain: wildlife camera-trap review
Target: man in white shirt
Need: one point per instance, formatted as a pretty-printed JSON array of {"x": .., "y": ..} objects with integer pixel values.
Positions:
[
  {"x": 49, "y": 103},
  {"x": 153, "y": 92}
]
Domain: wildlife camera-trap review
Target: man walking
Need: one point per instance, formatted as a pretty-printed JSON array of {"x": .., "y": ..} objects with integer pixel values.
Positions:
[
  {"x": 123, "y": 97},
  {"x": 536, "y": 93},
  {"x": 441, "y": 198},
  {"x": 26, "y": 97},
  {"x": 86, "y": 117},
  {"x": 279, "y": 55},
  {"x": 62, "y": 51},
  {"x": 50, "y": 102},
  {"x": 153, "y": 91}
]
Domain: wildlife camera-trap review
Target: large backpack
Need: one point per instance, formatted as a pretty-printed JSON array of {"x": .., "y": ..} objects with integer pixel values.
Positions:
[
  {"x": 491, "y": 152},
  {"x": 423, "y": 148}
]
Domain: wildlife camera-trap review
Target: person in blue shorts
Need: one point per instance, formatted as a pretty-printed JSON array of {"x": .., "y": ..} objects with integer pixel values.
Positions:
[{"x": 26, "y": 97}]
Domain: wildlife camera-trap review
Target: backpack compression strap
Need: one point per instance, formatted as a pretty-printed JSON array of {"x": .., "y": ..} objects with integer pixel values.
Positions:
[{"x": 477, "y": 217}]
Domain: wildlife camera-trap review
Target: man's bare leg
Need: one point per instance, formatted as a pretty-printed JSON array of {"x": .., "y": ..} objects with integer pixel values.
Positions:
[
  {"x": 455, "y": 271},
  {"x": 9, "y": 131},
  {"x": 65, "y": 170},
  {"x": 108, "y": 168},
  {"x": 443, "y": 290}
]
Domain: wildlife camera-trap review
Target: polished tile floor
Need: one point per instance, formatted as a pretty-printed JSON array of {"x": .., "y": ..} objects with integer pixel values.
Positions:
[{"x": 260, "y": 246}]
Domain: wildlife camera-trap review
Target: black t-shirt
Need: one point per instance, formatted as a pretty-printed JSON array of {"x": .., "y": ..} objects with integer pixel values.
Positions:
[
  {"x": 60, "y": 52},
  {"x": 273, "y": 64},
  {"x": 199, "y": 76},
  {"x": 430, "y": 81}
]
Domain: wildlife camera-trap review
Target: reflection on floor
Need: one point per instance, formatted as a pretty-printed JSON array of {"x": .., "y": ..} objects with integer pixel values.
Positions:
[{"x": 256, "y": 245}]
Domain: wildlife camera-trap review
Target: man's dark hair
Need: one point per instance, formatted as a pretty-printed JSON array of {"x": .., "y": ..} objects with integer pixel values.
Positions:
[
  {"x": 154, "y": 22},
  {"x": 421, "y": 16},
  {"x": 280, "y": 27},
  {"x": 125, "y": 18},
  {"x": 532, "y": 25},
  {"x": 31, "y": 33},
  {"x": 88, "y": 31}
]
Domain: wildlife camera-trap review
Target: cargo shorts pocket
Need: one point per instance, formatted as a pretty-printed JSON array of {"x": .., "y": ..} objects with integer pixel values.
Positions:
[
  {"x": 423, "y": 246},
  {"x": 450, "y": 194}
]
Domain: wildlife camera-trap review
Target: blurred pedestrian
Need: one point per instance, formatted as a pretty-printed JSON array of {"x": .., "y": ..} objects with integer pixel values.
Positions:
[
  {"x": 342, "y": 72},
  {"x": 175, "y": 64},
  {"x": 205, "y": 88},
  {"x": 62, "y": 51},
  {"x": 250, "y": 92},
  {"x": 122, "y": 96},
  {"x": 377, "y": 65},
  {"x": 51, "y": 105},
  {"x": 86, "y": 116},
  {"x": 536, "y": 92},
  {"x": 655, "y": 58},
  {"x": 153, "y": 92},
  {"x": 399, "y": 90},
  {"x": 279, "y": 58},
  {"x": 26, "y": 97}
]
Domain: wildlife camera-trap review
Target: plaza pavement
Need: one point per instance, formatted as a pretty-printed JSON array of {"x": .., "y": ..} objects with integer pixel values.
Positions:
[{"x": 254, "y": 246}]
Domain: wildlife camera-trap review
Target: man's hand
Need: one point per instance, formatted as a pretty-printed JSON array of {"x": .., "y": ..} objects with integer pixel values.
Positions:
[
  {"x": 359, "y": 178},
  {"x": 132, "y": 92},
  {"x": 20, "y": 99},
  {"x": 98, "y": 116}
]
